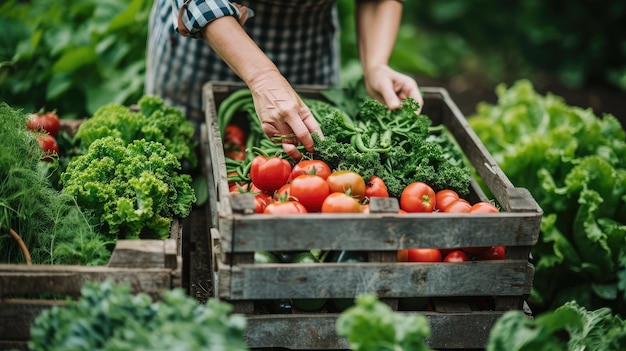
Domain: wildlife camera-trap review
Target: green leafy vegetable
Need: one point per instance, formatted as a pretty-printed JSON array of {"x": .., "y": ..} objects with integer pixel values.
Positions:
[
  {"x": 155, "y": 121},
  {"x": 135, "y": 190},
  {"x": 574, "y": 164},
  {"x": 399, "y": 146},
  {"x": 569, "y": 327},
  {"x": 109, "y": 317},
  {"x": 371, "y": 325}
]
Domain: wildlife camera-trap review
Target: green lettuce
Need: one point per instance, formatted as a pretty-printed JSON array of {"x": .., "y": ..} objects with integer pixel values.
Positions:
[{"x": 574, "y": 164}]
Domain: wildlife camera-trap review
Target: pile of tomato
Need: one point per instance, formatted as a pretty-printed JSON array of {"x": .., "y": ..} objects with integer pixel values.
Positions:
[
  {"x": 310, "y": 186},
  {"x": 47, "y": 126}
]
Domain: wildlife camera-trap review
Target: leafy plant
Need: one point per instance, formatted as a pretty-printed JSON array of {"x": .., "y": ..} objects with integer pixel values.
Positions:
[
  {"x": 72, "y": 57},
  {"x": 370, "y": 325},
  {"x": 577, "y": 43},
  {"x": 53, "y": 227},
  {"x": 108, "y": 316},
  {"x": 570, "y": 327},
  {"x": 153, "y": 121},
  {"x": 135, "y": 190},
  {"x": 574, "y": 164}
]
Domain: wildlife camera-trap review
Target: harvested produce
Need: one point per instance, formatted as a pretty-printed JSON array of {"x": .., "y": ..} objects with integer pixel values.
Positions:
[{"x": 363, "y": 136}]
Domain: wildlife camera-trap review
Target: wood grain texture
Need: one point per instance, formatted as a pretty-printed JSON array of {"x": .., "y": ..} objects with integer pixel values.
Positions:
[
  {"x": 317, "y": 331},
  {"x": 339, "y": 280}
]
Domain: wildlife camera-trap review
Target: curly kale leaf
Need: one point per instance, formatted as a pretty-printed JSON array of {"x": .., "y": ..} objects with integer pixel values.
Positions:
[
  {"x": 134, "y": 189},
  {"x": 110, "y": 317},
  {"x": 155, "y": 121}
]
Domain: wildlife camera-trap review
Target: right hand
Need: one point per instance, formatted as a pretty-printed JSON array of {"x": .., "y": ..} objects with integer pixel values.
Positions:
[{"x": 282, "y": 112}]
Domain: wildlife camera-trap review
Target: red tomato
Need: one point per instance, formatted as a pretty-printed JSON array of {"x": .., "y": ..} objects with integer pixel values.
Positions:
[
  {"x": 365, "y": 208},
  {"x": 49, "y": 144},
  {"x": 340, "y": 202},
  {"x": 48, "y": 122},
  {"x": 235, "y": 151},
  {"x": 286, "y": 207},
  {"x": 458, "y": 206},
  {"x": 484, "y": 207},
  {"x": 244, "y": 188},
  {"x": 376, "y": 187},
  {"x": 348, "y": 182},
  {"x": 424, "y": 255},
  {"x": 444, "y": 198},
  {"x": 493, "y": 253},
  {"x": 310, "y": 190},
  {"x": 315, "y": 167},
  {"x": 456, "y": 256},
  {"x": 261, "y": 200},
  {"x": 269, "y": 173},
  {"x": 282, "y": 194},
  {"x": 418, "y": 197},
  {"x": 234, "y": 134},
  {"x": 403, "y": 255}
]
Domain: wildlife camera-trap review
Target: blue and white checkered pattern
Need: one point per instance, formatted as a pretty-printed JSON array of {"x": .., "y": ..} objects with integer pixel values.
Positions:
[{"x": 299, "y": 36}]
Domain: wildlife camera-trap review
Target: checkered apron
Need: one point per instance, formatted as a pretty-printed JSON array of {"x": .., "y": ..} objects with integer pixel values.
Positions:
[{"x": 299, "y": 36}]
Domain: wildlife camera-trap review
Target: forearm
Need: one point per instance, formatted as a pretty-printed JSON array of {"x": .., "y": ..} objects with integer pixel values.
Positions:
[
  {"x": 377, "y": 24},
  {"x": 228, "y": 39}
]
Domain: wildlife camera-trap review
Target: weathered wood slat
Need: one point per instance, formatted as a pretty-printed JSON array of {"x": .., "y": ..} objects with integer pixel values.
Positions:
[
  {"x": 18, "y": 280},
  {"x": 468, "y": 330},
  {"x": 147, "y": 266},
  {"x": 274, "y": 281},
  {"x": 17, "y": 315},
  {"x": 379, "y": 231}
]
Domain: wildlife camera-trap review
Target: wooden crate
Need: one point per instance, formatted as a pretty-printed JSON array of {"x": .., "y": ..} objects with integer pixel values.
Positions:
[
  {"x": 148, "y": 266},
  {"x": 464, "y": 299}
]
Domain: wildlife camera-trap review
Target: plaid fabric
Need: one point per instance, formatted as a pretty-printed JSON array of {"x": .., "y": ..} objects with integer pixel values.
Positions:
[{"x": 300, "y": 37}]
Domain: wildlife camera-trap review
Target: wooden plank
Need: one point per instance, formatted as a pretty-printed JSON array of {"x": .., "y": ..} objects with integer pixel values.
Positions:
[
  {"x": 17, "y": 315},
  {"x": 275, "y": 281},
  {"x": 317, "y": 331},
  {"x": 21, "y": 280},
  {"x": 378, "y": 232},
  {"x": 138, "y": 254}
]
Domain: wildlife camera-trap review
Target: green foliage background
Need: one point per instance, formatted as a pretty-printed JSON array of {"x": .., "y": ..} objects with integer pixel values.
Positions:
[
  {"x": 72, "y": 56},
  {"x": 76, "y": 56}
]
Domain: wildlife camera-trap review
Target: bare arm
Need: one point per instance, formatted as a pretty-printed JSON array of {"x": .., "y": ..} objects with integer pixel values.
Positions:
[
  {"x": 279, "y": 107},
  {"x": 377, "y": 25}
]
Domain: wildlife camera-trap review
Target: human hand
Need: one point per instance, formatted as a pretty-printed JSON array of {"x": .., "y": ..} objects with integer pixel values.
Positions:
[
  {"x": 284, "y": 116},
  {"x": 391, "y": 87}
]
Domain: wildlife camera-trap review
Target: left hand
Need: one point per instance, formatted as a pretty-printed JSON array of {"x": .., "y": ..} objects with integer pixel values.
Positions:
[{"x": 391, "y": 87}]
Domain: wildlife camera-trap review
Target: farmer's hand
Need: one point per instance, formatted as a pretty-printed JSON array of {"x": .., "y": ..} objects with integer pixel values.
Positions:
[
  {"x": 284, "y": 116},
  {"x": 391, "y": 87}
]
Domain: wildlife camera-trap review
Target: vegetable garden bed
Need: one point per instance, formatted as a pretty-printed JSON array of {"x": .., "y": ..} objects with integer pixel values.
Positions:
[
  {"x": 148, "y": 266},
  {"x": 461, "y": 300}
]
